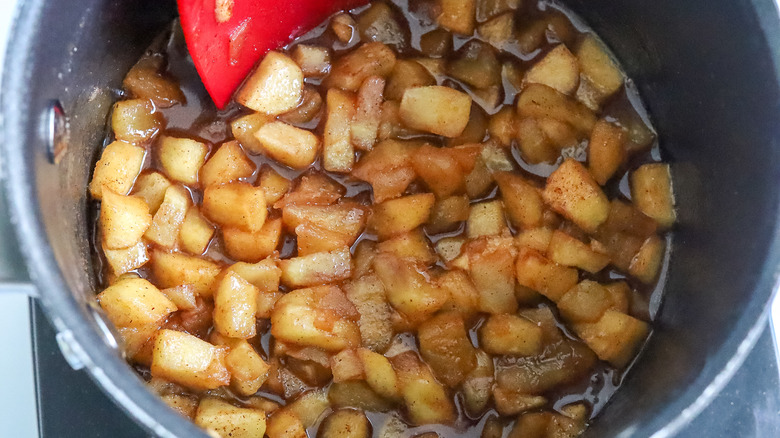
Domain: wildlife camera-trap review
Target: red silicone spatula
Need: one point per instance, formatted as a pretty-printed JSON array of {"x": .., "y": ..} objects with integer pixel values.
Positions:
[{"x": 227, "y": 37}]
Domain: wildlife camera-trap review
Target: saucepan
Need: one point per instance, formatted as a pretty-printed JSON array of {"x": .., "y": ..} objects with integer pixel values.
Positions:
[{"x": 709, "y": 73}]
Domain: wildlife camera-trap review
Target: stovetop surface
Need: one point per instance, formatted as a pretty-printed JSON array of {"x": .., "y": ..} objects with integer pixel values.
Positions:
[{"x": 71, "y": 405}]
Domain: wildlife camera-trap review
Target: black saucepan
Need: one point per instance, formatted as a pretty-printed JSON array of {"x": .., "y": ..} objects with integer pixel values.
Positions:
[{"x": 708, "y": 71}]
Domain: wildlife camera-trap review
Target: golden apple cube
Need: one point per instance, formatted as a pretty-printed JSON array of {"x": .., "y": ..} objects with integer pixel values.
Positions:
[
  {"x": 536, "y": 238},
  {"x": 436, "y": 109},
  {"x": 585, "y": 302},
  {"x": 237, "y": 205},
  {"x": 457, "y": 15},
  {"x": 426, "y": 399},
  {"x": 507, "y": 334},
  {"x": 123, "y": 219},
  {"x": 572, "y": 192},
  {"x": 368, "y": 113},
  {"x": 196, "y": 232},
  {"x": 135, "y": 120},
  {"x": 318, "y": 268},
  {"x": 615, "y": 338},
  {"x": 398, "y": 216},
  {"x": 338, "y": 153},
  {"x": 291, "y": 146},
  {"x": 252, "y": 247},
  {"x": 248, "y": 371},
  {"x": 379, "y": 373},
  {"x": 351, "y": 70},
  {"x": 522, "y": 201},
  {"x": 117, "y": 169},
  {"x": 345, "y": 423},
  {"x": 368, "y": 295},
  {"x": 313, "y": 60},
  {"x": 346, "y": 366},
  {"x": 175, "y": 269},
  {"x": 558, "y": 69},
  {"x": 319, "y": 317},
  {"x": 408, "y": 288},
  {"x": 215, "y": 414},
  {"x": 446, "y": 348},
  {"x": 244, "y": 128},
  {"x": 182, "y": 158},
  {"x": 543, "y": 275},
  {"x": 606, "y": 151},
  {"x": 151, "y": 188},
  {"x": 235, "y": 306},
  {"x": 651, "y": 191},
  {"x": 229, "y": 163},
  {"x": 134, "y": 302},
  {"x": 275, "y": 87},
  {"x": 486, "y": 219},
  {"x": 127, "y": 259},
  {"x": 189, "y": 361},
  {"x": 568, "y": 251},
  {"x": 598, "y": 67},
  {"x": 167, "y": 221},
  {"x": 540, "y": 101},
  {"x": 264, "y": 275},
  {"x": 646, "y": 264}
]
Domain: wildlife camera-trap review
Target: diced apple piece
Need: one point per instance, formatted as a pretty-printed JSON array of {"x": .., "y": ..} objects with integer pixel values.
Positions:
[
  {"x": 357, "y": 394},
  {"x": 401, "y": 215},
  {"x": 436, "y": 109},
  {"x": 598, "y": 67},
  {"x": 448, "y": 213},
  {"x": 486, "y": 219},
  {"x": 426, "y": 400},
  {"x": 457, "y": 15},
  {"x": 477, "y": 386},
  {"x": 318, "y": 268},
  {"x": 491, "y": 267},
  {"x": 346, "y": 366},
  {"x": 291, "y": 146},
  {"x": 606, "y": 151},
  {"x": 174, "y": 269},
  {"x": 379, "y": 23},
  {"x": 646, "y": 264},
  {"x": 368, "y": 113},
  {"x": 134, "y": 302},
  {"x": 387, "y": 167},
  {"x": 523, "y": 201},
  {"x": 440, "y": 171},
  {"x": 196, "y": 232},
  {"x": 408, "y": 289},
  {"x": 368, "y": 295},
  {"x": 145, "y": 80},
  {"x": 127, "y": 259},
  {"x": 351, "y": 70},
  {"x": 309, "y": 108},
  {"x": 117, "y": 169},
  {"x": 413, "y": 245},
  {"x": 135, "y": 120},
  {"x": 227, "y": 164},
  {"x": 248, "y": 371},
  {"x": 183, "y": 296},
  {"x": 313, "y": 189},
  {"x": 235, "y": 205},
  {"x": 235, "y": 305},
  {"x": 535, "y": 147},
  {"x": 345, "y": 221},
  {"x": 615, "y": 338},
  {"x": 544, "y": 276},
  {"x": 407, "y": 74},
  {"x": 568, "y": 251},
  {"x": 264, "y": 275},
  {"x": 513, "y": 403},
  {"x": 182, "y": 158},
  {"x": 249, "y": 246},
  {"x": 380, "y": 375},
  {"x": 537, "y": 100},
  {"x": 274, "y": 185},
  {"x": 184, "y": 359},
  {"x": 345, "y": 423},
  {"x": 572, "y": 192},
  {"x": 343, "y": 26},
  {"x": 498, "y": 31},
  {"x": 166, "y": 223},
  {"x": 313, "y": 60},
  {"x": 274, "y": 87},
  {"x": 464, "y": 297},
  {"x": 230, "y": 421},
  {"x": 543, "y": 424},
  {"x": 651, "y": 191},
  {"x": 244, "y": 128},
  {"x": 446, "y": 348},
  {"x": 558, "y": 69},
  {"x": 625, "y": 217},
  {"x": 510, "y": 335},
  {"x": 123, "y": 219},
  {"x": 535, "y": 238},
  {"x": 502, "y": 126},
  {"x": 285, "y": 424},
  {"x": 436, "y": 43},
  {"x": 560, "y": 134},
  {"x": 319, "y": 317},
  {"x": 585, "y": 302},
  {"x": 151, "y": 188},
  {"x": 338, "y": 154}
]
